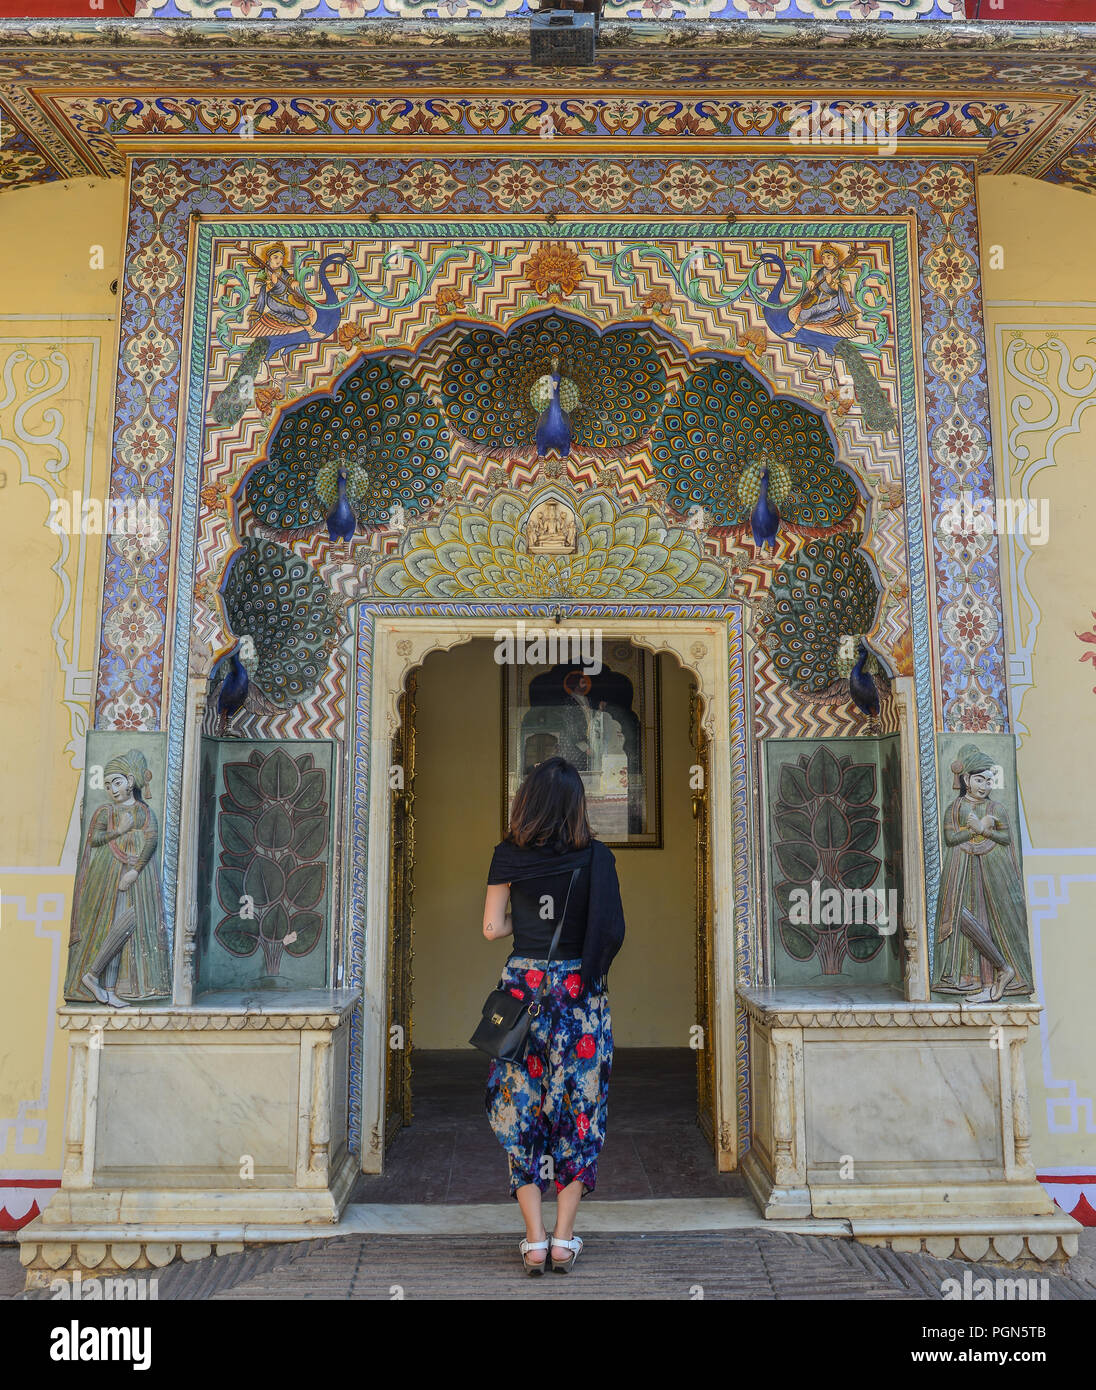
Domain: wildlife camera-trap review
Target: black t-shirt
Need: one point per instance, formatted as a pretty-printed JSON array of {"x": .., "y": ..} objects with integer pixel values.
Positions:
[{"x": 532, "y": 932}]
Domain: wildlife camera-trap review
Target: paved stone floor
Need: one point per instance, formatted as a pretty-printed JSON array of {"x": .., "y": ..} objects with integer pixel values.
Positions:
[{"x": 717, "y": 1265}]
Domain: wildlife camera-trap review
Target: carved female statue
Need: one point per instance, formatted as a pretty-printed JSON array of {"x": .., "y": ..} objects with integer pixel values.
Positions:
[
  {"x": 982, "y": 938},
  {"x": 118, "y": 950}
]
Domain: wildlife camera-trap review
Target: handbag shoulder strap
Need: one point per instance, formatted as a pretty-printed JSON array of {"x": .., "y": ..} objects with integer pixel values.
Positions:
[{"x": 555, "y": 939}]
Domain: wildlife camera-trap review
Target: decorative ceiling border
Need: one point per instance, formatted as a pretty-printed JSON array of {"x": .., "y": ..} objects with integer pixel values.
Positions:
[
  {"x": 82, "y": 97},
  {"x": 710, "y": 11}
]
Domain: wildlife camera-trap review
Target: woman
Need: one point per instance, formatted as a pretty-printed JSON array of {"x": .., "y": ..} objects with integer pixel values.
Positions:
[
  {"x": 828, "y": 298},
  {"x": 118, "y": 951},
  {"x": 280, "y": 302},
  {"x": 549, "y": 1112},
  {"x": 983, "y": 940}
]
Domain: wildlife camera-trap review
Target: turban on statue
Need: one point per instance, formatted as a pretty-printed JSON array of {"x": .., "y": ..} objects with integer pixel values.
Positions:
[
  {"x": 969, "y": 761},
  {"x": 131, "y": 764}
]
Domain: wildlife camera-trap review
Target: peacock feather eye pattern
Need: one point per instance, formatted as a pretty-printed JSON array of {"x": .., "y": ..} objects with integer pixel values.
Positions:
[
  {"x": 825, "y": 591},
  {"x": 381, "y": 419},
  {"x": 612, "y": 384},
  {"x": 280, "y": 602},
  {"x": 716, "y": 434}
]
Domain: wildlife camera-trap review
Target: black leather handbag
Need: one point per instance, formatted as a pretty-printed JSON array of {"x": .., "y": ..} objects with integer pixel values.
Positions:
[{"x": 503, "y": 1031}]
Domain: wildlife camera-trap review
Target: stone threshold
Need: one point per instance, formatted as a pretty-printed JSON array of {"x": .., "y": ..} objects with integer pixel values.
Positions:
[
  {"x": 490, "y": 1218},
  {"x": 1037, "y": 1242}
]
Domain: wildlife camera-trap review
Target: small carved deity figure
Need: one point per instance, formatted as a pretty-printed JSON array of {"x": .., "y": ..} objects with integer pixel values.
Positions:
[
  {"x": 279, "y": 302},
  {"x": 118, "y": 949},
  {"x": 551, "y": 530},
  {"x": 982, "y": 939}
]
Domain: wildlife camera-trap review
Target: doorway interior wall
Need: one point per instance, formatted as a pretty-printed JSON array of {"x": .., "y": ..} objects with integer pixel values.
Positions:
[{"x": 448, "y": 809}]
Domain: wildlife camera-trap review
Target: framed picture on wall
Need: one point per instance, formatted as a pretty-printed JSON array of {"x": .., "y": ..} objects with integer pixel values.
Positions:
[{"x": 608, "y": 724}]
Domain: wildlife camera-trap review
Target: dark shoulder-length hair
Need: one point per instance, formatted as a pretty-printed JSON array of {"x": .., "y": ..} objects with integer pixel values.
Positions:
[{"x": 549, "y": 811}]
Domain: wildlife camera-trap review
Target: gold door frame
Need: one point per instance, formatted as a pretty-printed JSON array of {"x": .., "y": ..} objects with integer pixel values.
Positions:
[
  {"x": 705, "y": 985},
  {"x": 401, "y": 945}
]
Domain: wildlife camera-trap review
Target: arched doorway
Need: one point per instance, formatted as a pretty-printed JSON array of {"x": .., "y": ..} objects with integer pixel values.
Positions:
[{"x": 697, "y": 653}]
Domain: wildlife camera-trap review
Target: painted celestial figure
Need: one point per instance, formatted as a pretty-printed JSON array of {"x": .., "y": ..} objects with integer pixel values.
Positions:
[
  {"x": 555, "y": 396},
  {"x": 823, "y": 318},
  {"x": 280, "y": 316},
  {"x": 862, "y": 688}
]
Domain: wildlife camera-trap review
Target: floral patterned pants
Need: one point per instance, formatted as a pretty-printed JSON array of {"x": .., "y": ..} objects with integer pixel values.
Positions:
[{"x": 549, "y": 1112}]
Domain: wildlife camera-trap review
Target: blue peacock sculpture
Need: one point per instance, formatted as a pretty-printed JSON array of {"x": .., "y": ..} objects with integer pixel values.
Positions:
[{"x": 862, "y": 689}]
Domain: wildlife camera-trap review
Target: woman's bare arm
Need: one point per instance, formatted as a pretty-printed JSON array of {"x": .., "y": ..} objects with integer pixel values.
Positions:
[{"x": 496, "y": 920}]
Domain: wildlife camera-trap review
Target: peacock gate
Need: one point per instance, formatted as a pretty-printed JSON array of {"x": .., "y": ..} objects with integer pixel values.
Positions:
[{"x": 447, "y": 413}]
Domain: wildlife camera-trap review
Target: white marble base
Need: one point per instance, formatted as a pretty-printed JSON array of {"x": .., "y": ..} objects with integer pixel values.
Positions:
[
  {"x": 222, "y": 1114},
  {"x": 908, "y": 1120}
]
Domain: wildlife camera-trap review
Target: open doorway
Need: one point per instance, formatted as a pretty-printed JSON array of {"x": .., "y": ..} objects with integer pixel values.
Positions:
[{"x": 446, "y": 819}]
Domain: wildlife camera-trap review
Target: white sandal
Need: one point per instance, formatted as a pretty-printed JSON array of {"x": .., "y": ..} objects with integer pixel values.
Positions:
[
  {"x": 565, "y": 1266},
  {"x": 526, "y": 1246}
]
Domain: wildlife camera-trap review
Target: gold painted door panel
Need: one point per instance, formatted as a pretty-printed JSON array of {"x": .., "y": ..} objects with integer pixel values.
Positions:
[
  {"x": 397, "y": 1072},
  {"x": 705, "y": 1053}
]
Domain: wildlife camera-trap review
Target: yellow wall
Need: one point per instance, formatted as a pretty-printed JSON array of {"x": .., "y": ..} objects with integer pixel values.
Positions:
[
  {"x": 457, "y": 826},
  {"x": 1040, "y": 326},
  {"x": 58, "y": 338}
]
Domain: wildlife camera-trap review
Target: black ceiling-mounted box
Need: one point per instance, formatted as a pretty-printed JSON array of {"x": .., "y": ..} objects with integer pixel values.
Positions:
[{"x": 563, "y": 38}]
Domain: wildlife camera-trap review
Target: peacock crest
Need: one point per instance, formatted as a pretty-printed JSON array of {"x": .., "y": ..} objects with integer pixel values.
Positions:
[
  {"x": 781, "y": 489},
  {"x": 357, "y": 471},
  {"x": 540, "y": 397}
]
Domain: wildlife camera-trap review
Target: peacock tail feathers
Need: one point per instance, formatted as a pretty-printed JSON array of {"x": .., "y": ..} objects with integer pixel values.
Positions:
[
  {"x": 495, "y": 387},
  {"x": 276, "y": 599},
  {"x": 876, "y": 409},
  {"x": 716, "y": 435},
  {"x": 378, "y": 406},
  {"x": 234, "y": 401},
  {"x": 824, "y": 592}
]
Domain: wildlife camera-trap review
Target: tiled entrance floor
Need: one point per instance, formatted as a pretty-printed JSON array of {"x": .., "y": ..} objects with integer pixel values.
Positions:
[{"x": 653, "y": 1147}]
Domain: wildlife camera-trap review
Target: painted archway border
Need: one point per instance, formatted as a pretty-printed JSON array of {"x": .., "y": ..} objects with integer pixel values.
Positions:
[
  {"x": 707, "y": 641},
  {"x": 166, "y": 195},
  {"x": 206, "y": 234}
]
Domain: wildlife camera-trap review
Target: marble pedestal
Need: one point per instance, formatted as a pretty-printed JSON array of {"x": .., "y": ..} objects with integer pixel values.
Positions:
[
  {"x": 188, "y": 1126},
  {"x": 908, "y": 1120}
]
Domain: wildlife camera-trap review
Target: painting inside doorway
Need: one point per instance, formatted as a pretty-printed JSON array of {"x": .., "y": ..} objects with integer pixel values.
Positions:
[{"x": 605, "y": 719}]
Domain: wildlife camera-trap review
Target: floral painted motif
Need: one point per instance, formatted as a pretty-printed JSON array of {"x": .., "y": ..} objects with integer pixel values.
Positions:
[
  {"x": 1089, "y": 655},
  {"x": 549, "y": 1112},
  {"x": 554, "y": 271},
  {"x": 774, "y": 185}
]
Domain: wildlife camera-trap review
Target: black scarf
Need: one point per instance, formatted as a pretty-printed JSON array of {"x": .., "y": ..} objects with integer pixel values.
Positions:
[{"x": 605, "y": 916}]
